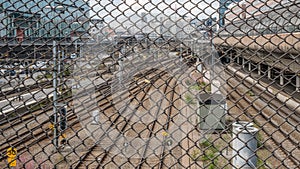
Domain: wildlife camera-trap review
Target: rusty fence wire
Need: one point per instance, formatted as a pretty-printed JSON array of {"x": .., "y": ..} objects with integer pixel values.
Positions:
[{"x": 149, "y": 84}]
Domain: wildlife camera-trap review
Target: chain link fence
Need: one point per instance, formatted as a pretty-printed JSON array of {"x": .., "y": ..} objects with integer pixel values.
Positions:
[{"x": 149, "y": 84}]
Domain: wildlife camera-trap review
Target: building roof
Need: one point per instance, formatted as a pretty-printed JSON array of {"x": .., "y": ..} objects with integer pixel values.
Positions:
[{"x": 249, "y": 8}]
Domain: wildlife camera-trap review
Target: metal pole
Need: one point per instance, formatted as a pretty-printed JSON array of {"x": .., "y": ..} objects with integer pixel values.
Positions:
[
  {"x": 269, "y": 72},
  {"x": 181, "y": 52},
  {"x": 212, "y": 53},
  {"x": 243, "y": 62},
  {"x": 281, "y": 79},
  {"x": 297, "y": 83},
  {"x": 121, "y": 63},
  {"x": 249, "y": 66},
  {"x": 61, "y": 64},
  {"x": 259, "y": 69},
  {"x": 76, "y": 46},
  {"x": 58, "y": 68},
  {"x": 34, "y": 54},
  {"x": 80, "y": 51},
  {"x": 55, "y": 140}
]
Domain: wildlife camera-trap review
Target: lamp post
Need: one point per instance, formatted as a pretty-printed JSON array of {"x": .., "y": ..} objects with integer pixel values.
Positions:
[
  {"x": 56, "y": 71},
  {"x": 55, "y": 84},
  {"x": 60, "y": 8}
]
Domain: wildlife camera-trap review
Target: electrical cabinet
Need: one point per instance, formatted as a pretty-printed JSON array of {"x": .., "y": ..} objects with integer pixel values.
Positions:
[{"x": 211, "y": 111}]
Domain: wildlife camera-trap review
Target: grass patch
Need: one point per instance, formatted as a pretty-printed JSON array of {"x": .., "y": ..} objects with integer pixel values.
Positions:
[
  {"x": 195, "y": 154},
  {"x": 189, "y": 99},
  {"x": 200, "y": 86},
  {"x": 38, "y": 106},
  {"x": 67, "y": 72},
  {"x": 250, "y": 93},
  {"x": 188, "y": 82},
  {"x": 205, "y": 144},
  {"x": 210, "y": 159},
  {"x": 260, "y": 164},
  {"x": 195, "y": 87},
  {"x": 210, "y": 155},
  {"x": 206, "y": 87},
  {"x": 259, "y": 137},
  {"x": 260, "y": 140},
  {"x": 48, "y": 76}
]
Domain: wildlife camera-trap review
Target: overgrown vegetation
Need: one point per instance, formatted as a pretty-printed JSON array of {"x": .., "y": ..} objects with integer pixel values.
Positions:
[
  {"x": 195, "y": 154},
  {"x": 195, "y": 87},
  {"x": 188, "y": 82},
  {"x": 200, "y": 86},
  {"x": 250, "y": 93},
  {"x": 259, "y": 137},
  {"x": 44, "y": 76},
  {"x": 189, "y": 99},
  {"x": 260, "y": 164},
  {"x": 210, "y": 154}
]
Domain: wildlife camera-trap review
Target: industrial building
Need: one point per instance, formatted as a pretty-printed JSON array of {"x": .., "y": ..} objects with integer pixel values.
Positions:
[
  {"x": 271, "y": 29},
  {"x": 34, "y": 27}
]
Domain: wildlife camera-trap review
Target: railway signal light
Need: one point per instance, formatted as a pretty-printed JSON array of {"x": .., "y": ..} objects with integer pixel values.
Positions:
[{"x": 63, "y": 118}]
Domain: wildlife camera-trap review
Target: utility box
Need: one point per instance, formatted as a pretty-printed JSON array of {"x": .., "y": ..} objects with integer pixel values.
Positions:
[{"x": 211, "y": 112}]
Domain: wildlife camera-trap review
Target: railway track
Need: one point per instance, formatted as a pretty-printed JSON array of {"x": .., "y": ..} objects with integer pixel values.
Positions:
[
  {"x": 41, "y": 131},
  {"x": 155, "y": 127},
  {"x": 115, "y": 123},
  {"x": 167, "y": 125},
  {"x": 97, "y": 156},
  {"x": 277, "y": 121}
]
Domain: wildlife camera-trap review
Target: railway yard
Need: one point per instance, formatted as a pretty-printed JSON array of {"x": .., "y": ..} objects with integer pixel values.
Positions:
[
  {"x": 144, "y": 115},
  {"x": 150, "y": 84}
]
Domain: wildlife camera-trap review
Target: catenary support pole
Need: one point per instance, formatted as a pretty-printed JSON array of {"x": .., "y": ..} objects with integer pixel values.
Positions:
[
  {"x": 269, "y": 72},
  {"x": 259, "y": 69},
  {"x": 281, "y": 78},
  {"x": 55, "y": 140},
  {"x": 298, "y": 83}
]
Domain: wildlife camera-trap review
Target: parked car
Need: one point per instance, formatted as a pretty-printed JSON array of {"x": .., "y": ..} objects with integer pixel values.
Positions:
[
  {"x": 73, "y": 56},
  {"x": 9, "y": 72},
  {"x": 39, "y": 65}
]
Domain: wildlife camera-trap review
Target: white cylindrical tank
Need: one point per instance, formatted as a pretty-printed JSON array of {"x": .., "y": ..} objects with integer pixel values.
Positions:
[
  {"x": 244, "y": 146},
  {"x": 235, "y": 126}
]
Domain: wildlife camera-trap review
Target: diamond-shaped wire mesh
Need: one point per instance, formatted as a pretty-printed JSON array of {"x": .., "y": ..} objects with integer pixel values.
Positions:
[{"x": 149, "y": 84}]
